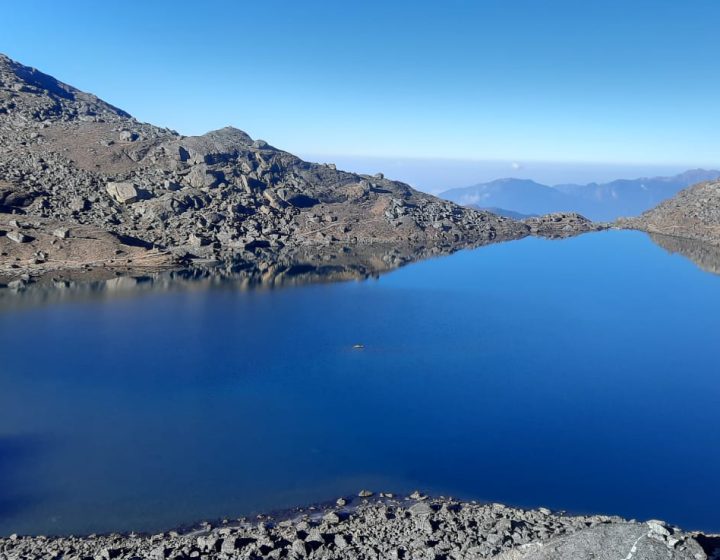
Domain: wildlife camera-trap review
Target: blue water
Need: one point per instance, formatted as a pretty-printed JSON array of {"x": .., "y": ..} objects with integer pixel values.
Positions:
[{"x": 580, "y": 374}]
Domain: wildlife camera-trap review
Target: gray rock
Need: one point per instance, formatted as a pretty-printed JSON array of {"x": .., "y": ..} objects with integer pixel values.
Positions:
[
  {"x": 159, "y": 553},
  {"x": 299, "y": 548},
  {"x": 129, "y": 136},
  {"x": 124, "y": 193},
  {"x": 110, "y": 553},
  {"x": 196, "y": 241},
  {"x": 78, "y": 204},
  {"x": 421, "y": 509},
  {"x": 620, "y": 541},
  {"x": 208, "y": 542},
  {"x": 202, "y": 177},
  {"x": 17, "y": 237},
  {"x": 230, "y": 545},
  {"x": 658, "y": 527},
  {"x": 341, "y": 541}
]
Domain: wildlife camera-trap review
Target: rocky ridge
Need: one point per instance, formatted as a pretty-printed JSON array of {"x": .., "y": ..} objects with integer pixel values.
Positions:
[
  {"x": 403, "y": 528},
  {"x": 694, "y": 213},
  {"x": 69, "y": 157}
]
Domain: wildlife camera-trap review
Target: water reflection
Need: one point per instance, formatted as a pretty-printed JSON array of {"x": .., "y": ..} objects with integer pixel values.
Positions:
[
  {"x": 517, "y": 373},
  {"x": 308, "y": 265},
  {"x": 706, "y": 257},
  {"x": 304, "y": 266}
]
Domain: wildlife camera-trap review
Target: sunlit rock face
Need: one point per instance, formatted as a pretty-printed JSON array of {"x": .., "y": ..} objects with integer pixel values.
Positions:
[{"x": 693, "y": 214}]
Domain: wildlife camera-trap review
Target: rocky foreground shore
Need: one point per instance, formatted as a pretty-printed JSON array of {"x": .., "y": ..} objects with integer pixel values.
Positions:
[{"x": 367, "y": 526}]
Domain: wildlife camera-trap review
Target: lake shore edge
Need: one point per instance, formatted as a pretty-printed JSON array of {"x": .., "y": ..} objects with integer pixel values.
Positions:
[{"x": 386, "y": 526}]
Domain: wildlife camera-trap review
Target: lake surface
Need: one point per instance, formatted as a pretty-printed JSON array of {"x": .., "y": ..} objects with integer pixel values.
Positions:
[{"x": 581, "y": 374}]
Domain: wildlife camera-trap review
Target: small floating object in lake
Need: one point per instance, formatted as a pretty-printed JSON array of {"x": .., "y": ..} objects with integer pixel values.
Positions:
[{"x": 358, "y": 346}]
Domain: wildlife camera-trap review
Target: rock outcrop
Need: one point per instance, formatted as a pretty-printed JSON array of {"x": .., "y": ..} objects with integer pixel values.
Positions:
[
  {"x": 562, "y": 224},
  {"x": 694, "y": 213}
]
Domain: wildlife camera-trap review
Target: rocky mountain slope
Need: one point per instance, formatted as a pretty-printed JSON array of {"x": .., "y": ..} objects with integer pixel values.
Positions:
[
  {"x": 693, "y": 214},
  {"x": 69, "y": 161}
]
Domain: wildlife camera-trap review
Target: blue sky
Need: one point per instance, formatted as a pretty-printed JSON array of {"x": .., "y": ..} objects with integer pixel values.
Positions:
[{"x": 624, "y": 82}]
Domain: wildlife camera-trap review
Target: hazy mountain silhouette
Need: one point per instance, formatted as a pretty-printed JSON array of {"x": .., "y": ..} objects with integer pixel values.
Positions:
[{"x": 598, "y": 201}]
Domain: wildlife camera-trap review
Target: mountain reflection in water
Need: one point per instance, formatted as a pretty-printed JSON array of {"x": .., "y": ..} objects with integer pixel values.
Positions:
[
  {"x": 706, "y": 257},
  {"x": 316, "y": 264}
]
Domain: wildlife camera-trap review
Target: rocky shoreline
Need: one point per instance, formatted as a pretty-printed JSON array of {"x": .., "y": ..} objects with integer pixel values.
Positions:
[
  {"x": 385, "y": 526},
  {"x": 52, "y": 254}
]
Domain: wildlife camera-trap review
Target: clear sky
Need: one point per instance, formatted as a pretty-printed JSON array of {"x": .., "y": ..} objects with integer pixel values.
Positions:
[{"x": 631, "y": 81}]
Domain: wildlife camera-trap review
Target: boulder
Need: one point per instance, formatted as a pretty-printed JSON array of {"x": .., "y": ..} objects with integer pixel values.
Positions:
[
  {"x": 341, "y": 541},
  {"x": 230, "y": 545},
  {"x": 421, "y": 509},
  {"x": 124, "y": 193},
  {"x": 78, "y": 204},
  {"x": 12, "y": 196},
  {"x": 202, "y": 177},
  {"x": 129, "y": 136},
  {"x": 17, "y": 237},
  {"x": 208, "y": 543},
  {"x": 608, "y": 542},
  {"x": 196, "y": 240}
]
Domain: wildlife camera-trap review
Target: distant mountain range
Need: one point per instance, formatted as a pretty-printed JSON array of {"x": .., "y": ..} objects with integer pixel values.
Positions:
[{"x": 598, "y": 201}]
